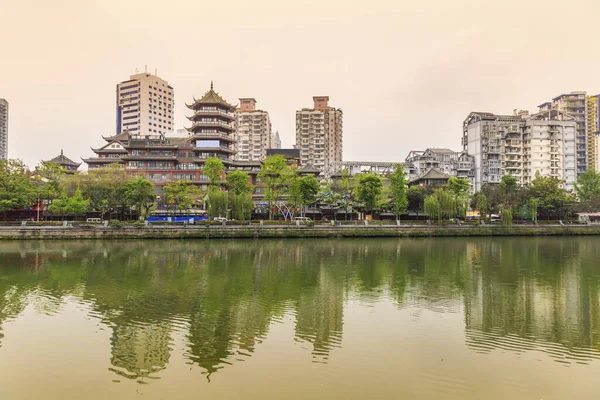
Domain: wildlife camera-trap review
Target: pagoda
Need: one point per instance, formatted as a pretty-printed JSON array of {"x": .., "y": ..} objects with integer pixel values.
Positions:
[
  {"x": 212, "y": 129},
  {"x": 69, "y": 165}
]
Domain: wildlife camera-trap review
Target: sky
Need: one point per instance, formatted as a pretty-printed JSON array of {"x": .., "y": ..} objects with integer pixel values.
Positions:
[{"x": 405, "y": 73}]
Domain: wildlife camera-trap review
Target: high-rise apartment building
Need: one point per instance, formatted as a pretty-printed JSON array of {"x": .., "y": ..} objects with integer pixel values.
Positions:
[
  {"x": 574, "y": 104},
  {"x": 252, "y": 132},
  {"x": 3, "y": 129},
  {"x": 592, "y": 126},
  {"x": 319, "y": 134},
  {"x": 521, "y": 145},
  {"x": 145, "y": 105}
]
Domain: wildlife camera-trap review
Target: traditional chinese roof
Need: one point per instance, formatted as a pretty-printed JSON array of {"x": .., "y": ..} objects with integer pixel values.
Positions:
[
  {"x": 432, "y": 174},
  {"x": 309, "y": 169},
  {"x": 62, "y": 160},
  {"x": 119, "y": 137},
  {"x": 211, "y": 97}
]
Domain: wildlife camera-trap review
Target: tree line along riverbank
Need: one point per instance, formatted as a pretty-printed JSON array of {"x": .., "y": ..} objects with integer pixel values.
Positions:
[{"x": 285, "y": 231}]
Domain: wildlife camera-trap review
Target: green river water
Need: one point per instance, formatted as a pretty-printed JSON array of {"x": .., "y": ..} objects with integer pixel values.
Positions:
[{"x": 444, "y": 318}]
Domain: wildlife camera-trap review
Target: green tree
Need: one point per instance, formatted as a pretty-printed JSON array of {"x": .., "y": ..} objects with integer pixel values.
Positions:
[
  {"x": 509, "y": 190},
  {"x": 104, "y": 187},
  {"x": 588, "y": 185},
  {"x": 481, "y": 203},
  {"x": 398, "y": 189},
  {"x": 181, "y": 194},
  {"x": 552, "y": 198},
  {"x": 276, "y": 177},
  {"x": 368, "y": 189},
  {"x": 416, "y": 198},
  {"x": 16, "y": 188},
  {"x": 238, "y": 182},
  {"x": 432, "y": 208},
  {"x": 214, "y": 169},
  {"x": 459, "y": 190},
  {"x": 75, "y": 204},
  {"x": 446, "y": 202},
  {"x": 218, "y": 203},
  {"x": 304, "y": 191},
  {"x": 343, "y": 188},
  {"x": 507, "y": 216},
  {"x": 240, "y": 194},
  {"x": 532, "y": 208},
  {"x": 241, "y": 205},
  {"x": 140, "y": 193},
  {"x": 48, "y": 181}
]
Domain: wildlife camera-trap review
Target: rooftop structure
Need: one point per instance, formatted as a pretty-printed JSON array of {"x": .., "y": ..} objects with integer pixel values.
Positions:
[
  {"x": 291, "y": 155},
  {"x": 69, "y": 165},
  {"x": 145, "y": 105},
  {"x": 431, "y": 178}
]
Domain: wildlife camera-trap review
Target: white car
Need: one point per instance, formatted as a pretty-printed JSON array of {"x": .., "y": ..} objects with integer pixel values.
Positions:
[{"x": 303, "y": 219}]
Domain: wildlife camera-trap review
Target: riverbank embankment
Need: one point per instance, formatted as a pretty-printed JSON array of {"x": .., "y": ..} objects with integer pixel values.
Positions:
[{"x": 286, "y": 231}]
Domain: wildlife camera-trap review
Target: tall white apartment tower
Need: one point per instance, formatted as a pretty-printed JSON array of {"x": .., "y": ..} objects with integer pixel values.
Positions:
[
  {"x": 3, "y": 129},
  {"x": 252, "y": 132},
  {"x": 319, "y": 134},
  {"x": 145, "y": 105},
  {"x": 522, "y": 145}
]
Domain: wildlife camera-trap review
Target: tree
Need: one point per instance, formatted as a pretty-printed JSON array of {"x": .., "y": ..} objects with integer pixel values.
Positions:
[
  {"x": 509, "y": 188},
  {"x": 588, "y": 185},
  {"x": 75, "y": 204},
  {"x": 240, "y": 194},
  {"x": 276, "y": 176},
  {"x": 398, "y": 189},
  {"x": 181, "y": 194},
  {"x": 552, "y": 198},
  {"x": 48, "y": 181},
  {"x": 16, "y": 188},
  {"x": 446, "y": 203},
  {"x": 368, "y": 189},
  {"x": 238, "y": 182},
  {"x": 459, "y": 190},
  {"x": 507, "y": 216},
  {"x": 140, "y": 193},
  {"x": 481, "y": 203},
  {"x": 218, "y": 203},
  {"x": 343, "y": 189},
  {"x": 532, "y": 208},
  {"x": 104, "y": 187},
  {"x": 214, "y": 169},
  {"x": 432, "y": 208},
  {"x": 415, "y": 196},
  {"x": 303, "y": 191}
]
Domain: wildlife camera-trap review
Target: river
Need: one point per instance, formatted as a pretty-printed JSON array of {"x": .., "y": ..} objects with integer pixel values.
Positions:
[{"x": 443, "y": 318}]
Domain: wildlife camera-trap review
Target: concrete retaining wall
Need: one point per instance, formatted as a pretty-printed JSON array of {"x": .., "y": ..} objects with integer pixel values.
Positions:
[{"x": 256, "y": 231}]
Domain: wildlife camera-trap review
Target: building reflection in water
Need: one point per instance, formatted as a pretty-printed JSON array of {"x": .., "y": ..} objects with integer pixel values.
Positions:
[{"x": 222, "y": 297}]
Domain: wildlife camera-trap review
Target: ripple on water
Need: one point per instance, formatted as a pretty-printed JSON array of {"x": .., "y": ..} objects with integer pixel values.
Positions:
[{"x": 494, "y": 340}]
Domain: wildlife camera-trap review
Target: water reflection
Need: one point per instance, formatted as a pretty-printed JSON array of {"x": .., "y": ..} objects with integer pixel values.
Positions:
[{"x": 222, "y": 298}]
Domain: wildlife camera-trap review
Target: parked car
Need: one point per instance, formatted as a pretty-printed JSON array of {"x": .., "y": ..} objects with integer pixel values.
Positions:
[
  {"x": 220, "y": 219},
  {"x": 303, "y": 220}
]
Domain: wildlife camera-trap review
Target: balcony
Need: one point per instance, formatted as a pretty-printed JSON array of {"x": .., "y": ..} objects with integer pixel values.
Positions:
[
  {"x": 201, "y": 124},
  {"x": 213, "y": 112}
]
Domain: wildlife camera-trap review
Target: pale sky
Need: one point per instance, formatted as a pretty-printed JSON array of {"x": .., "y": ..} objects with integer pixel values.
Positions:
[{"x": 405, "y": 73}]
